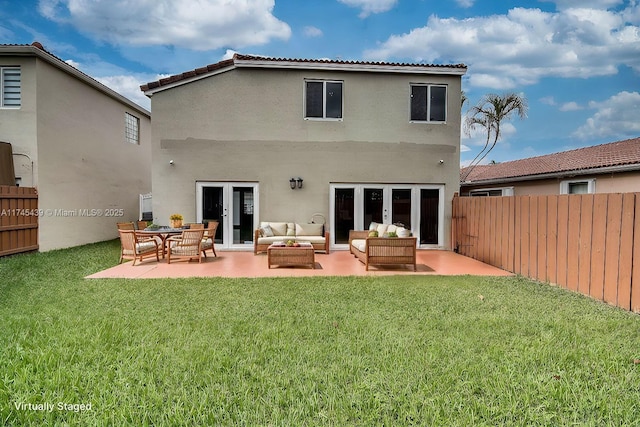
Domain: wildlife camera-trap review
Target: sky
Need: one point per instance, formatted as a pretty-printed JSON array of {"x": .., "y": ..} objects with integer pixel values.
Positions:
[{"x": 576, "y": 62}]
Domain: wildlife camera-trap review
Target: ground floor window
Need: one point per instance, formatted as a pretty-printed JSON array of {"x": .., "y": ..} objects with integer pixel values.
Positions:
[{"x": 418, "y": 208}]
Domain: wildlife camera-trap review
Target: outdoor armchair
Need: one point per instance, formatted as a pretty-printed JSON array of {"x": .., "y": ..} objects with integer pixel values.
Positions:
[
  {"x": 137, "y": 247},
  {"x": 209, "y": 239},
  {"x": 187, "y": 245}
]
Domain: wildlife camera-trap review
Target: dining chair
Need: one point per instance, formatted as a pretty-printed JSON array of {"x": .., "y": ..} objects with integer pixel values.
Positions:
[
  {"x": 209, "y": 238},
  {"x": 137, "y": 247},
  {"x": 186, "y": 245},
  {"x": 125, "y": 226},
  {"x": 142, "y": 225}
]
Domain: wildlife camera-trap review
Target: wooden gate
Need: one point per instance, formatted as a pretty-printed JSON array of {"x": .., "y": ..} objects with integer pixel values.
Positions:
[{"x": 18, "y": 219}]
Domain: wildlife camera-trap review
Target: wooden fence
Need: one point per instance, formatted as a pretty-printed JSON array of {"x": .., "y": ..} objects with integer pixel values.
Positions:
[
  {"x": 18, "y": 219},
  {"x": 586, "y": 243}
]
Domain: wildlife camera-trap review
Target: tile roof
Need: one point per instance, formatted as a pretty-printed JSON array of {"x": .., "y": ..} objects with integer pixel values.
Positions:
[
  {"x": 283, "y": 62},
  {"x": 581, "y": 160}
]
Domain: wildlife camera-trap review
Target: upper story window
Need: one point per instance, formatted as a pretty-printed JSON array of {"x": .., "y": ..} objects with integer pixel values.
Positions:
[
  {"x": 428, "y": 103},
  {"x": 131, "y": 128},
  {"x": 10, "y": 87},
  {"x": 585, "y": 186},
  {"x": 323, "y": 99}
]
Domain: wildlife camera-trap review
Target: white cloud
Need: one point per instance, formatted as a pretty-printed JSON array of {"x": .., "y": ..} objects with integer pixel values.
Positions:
[
  {"x": 523, "y": 46},
  {"x": 129, "y": 87},
  {"x": 465, "y": 3},
  {"x": 570, "y": 106},
  {"x": 548, "y": 100},
  {"x": 311, "y": 31},
  {"x": 617, "y": 117},
  {"x": 370, "y": 6},
  {"x": 201, "y": 25}
]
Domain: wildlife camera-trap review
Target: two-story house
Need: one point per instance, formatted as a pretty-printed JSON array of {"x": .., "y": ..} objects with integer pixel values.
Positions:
[
  {"x": 254, "y": 139},
  {"x": 83, "y": 146}
]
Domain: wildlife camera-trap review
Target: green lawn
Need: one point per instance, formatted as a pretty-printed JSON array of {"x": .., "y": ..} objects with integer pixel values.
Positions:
[{"x": 404, "y": 350}]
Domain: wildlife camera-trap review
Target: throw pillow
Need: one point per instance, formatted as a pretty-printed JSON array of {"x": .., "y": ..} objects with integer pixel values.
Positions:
[
  {"x": 403, "y": 232},
  {"x": 267, "y": 231},
  {"x": 373, "y": 233}
]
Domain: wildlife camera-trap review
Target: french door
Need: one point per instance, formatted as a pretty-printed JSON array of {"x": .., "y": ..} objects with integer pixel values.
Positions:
[
  {"x": 234, "y": 205},
  {"x": 418, "y": 208}
]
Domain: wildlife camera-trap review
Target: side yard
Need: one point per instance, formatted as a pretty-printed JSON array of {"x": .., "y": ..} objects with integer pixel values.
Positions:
[{"x": 394, "y": 350}]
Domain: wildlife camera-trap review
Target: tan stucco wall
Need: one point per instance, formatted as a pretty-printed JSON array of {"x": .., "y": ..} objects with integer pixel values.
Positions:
[
  {"x": 85, "y": 161},
  {"x": 81, "y": 160},
  {"x": 622, "y": 182},
  {"x": 18, "y": 125},
  {"x": 247, "y": 125}
]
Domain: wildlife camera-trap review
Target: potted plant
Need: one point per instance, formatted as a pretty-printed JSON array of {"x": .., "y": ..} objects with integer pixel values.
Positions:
[{"x": 176, "y": 220}]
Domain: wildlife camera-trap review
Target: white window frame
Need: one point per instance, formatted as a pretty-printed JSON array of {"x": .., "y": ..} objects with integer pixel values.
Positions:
[
  {"x": 429, "y": 86},
  {"x": 131, "y": 129},
  {"x": 506, "y": 191},
  {"x": 324, "y": 100},
  {"x": 591, "y": 185},
  {"x": 3, "y": 88}
]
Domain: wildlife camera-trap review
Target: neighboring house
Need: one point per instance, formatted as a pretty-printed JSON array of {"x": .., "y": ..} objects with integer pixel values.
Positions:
[
  {"x": 606, "y": 168},
  {"x": 85, "y": 147},
  {"x": 359, "y": 141}
]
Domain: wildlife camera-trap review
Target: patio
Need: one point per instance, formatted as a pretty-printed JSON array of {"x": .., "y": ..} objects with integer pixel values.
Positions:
[{"x": 338, "y": 263}]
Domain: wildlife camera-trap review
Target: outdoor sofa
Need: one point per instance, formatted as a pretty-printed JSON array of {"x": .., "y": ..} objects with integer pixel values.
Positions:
[
  {"x": 271, "y": 232},
  {"x": 375, "y": 247}
]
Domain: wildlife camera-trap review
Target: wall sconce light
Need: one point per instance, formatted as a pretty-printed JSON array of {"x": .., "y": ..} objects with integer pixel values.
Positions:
[{"x": 295, "y": 183}]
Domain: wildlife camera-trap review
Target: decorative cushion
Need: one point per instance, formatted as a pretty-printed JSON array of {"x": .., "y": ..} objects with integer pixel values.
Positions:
[
  {"x": 311, "y": 239},
  {"x": 266, "y": 231},
  {"x": 279, "y": 228},
  {"x": 391, "y": 228},
  {"x": 382, "y": 228},
  {"x": 143, "y": 248},
  {"x": 359, "y": 244},
  {"x": 373, "y": 226},
  {"x": 309, "y": 229},
  {"x": 373, "y": 233},
  {"x": 291, "y": 231},
  {"x": 403, "y": 232}
]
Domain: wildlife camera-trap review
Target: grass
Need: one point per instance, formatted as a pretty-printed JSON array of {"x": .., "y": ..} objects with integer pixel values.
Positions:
[{"x": 397, "y": 350}]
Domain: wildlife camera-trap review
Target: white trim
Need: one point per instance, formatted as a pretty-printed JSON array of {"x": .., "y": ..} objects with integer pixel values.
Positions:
[
  {"x": 506, "y": 191},
  {"x": 347, "y": 66},
  {"x": 591, "y": 185},
  {"x": 387, "y": 188},
  {"x": 227, "y": 198}
]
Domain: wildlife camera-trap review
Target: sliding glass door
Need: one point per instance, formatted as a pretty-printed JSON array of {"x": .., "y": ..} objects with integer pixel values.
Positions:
[{"x": 233, "y": 205}]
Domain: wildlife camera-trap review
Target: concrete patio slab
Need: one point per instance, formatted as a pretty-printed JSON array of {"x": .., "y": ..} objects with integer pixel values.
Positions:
[{"x": 338, "y": 263}]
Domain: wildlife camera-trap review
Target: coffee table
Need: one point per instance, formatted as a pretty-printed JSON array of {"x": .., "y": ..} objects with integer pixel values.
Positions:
[{"x": 279, "y": 254}]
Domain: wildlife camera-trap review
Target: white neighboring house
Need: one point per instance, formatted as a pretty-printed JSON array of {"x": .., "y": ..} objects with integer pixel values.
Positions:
[{"x": 83, "y": 146}]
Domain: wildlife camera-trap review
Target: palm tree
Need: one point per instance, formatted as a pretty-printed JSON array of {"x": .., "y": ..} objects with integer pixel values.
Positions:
[{"x": 489, "y": 113}]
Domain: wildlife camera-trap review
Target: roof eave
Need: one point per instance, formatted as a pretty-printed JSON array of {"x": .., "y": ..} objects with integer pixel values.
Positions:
[
  {"x": 319, "y": 66},
  {"x": 346, "y": 66},
  {"x": 24, "y": 50},
  {"x": 555, "y": 175}
]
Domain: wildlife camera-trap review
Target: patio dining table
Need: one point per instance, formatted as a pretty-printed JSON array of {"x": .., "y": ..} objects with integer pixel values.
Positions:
[{"x": 163, "y": 233}]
